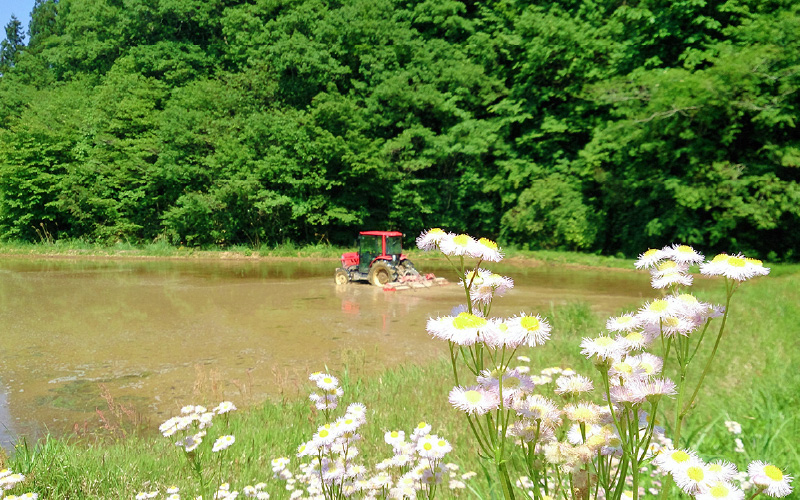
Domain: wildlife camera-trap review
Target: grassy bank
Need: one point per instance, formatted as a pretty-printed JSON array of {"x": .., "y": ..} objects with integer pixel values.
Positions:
[
  {"x": 754, "y": 381},
  {"x": 321, "y": 251}
]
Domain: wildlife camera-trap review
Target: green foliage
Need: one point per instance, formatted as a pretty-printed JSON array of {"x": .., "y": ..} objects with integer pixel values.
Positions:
[
  {"x": 574, "y": 124},
  {"x": 13, "y": 43}
]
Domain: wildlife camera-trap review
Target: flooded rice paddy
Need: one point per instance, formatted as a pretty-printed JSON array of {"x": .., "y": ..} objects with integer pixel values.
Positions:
[{"x": 155, "y": 335}]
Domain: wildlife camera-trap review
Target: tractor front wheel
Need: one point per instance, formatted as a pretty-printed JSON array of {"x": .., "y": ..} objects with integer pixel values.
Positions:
[
  {"x": 341, "y": 277},
  {"x": 381, "y": 273}
]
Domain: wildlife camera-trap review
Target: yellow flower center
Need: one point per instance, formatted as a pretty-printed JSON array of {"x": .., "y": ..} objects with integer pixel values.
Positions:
[
  {"x": 511, "y": 382},
  {"x": 685, "y": 249},
  {"x": 427, "y": 446},
  {"x": 421, "y": 425},
  {"x": 650, "y": 252},
  {"x": 680, "y": 456},
  {"x": 530, "y": 323},
  {"x": 736, "y": 262},
  {"x": 755, "y": 262},
  {"x": 436, "y": 231},
  {"x": 695, "y": 473},
  {"x": 466, "y": 320},
  {"x": 614, "y": 442},
  {"x": 719, "y": 491},
  {"x": 323, "y": 433},
  {"x": 596, "y": 440},
  {"x": 648, "y": 368},
  {"x": 623, "y": 367},
  {"x": 667, "y": 264},
  {"x": 474, "y": 278},
  {"x": 603, "y": 341},
  {"x": 461, "y": 240},
  {"x": 488, "y": 243},
  {"x": 687, "y": 298},
  {"x": 659, "y": 305},
  {"x": 773, "y": 473},
  {"x": 720, "y": 257},
  {"x": 634, "y": 337},
  {"x": 441, "y": 443},
  {"x": 671, "y": 322},
  {"x": 624, "y": 320},
  {"x": 394, "y": 434},
  {"x": 327, "y": 380},
  {"x": 473, "y": 397},
  {"x": 582, "y": 413}
]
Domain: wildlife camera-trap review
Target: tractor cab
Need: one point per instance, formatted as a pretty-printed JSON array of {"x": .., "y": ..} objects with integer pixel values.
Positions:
[{"x": 386, "y": 245}]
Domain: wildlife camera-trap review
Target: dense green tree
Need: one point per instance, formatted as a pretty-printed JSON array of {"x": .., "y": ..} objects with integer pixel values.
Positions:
[{"x": 579, "y": 124}]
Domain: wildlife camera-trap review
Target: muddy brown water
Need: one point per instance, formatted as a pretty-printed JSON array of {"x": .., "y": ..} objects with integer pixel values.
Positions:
[{"x": 160, "y": 334}]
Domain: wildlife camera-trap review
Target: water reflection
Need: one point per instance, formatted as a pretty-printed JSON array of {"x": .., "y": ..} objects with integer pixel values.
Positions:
[{"x": 161, "y": 334}]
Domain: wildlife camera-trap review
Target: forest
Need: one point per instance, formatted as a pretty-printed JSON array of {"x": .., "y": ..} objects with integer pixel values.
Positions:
[{"x": 603, "y": 126}]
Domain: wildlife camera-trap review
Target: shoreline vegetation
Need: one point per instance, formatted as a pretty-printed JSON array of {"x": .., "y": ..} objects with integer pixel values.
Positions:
[
  {"x": 754, "y": 383},
  {"x": 78, "y": 249}
]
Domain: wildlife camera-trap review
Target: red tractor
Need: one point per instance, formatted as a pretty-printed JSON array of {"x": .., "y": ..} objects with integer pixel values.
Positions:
[{"x": 379, "y": 260}]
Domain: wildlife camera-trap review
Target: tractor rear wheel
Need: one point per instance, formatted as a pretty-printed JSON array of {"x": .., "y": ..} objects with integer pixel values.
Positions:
[
  {"x": 341, "y": 277},
  {"x": 381, "y": 273}
]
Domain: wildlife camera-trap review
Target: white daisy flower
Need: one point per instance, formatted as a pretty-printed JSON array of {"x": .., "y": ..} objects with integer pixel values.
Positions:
[
  {"x": 735, "y": 267},
  {"x": 602, "y": 347},
  {"x": 691, "y": 478},
  {"x": 169, "y": 427},
  {"x": 464, "y": 329},
  {"x": 537, "y": 407},
  {"x": 428, "y": 240},
  {"x": 768, "y": 476},
  {"x": 500, "y": 333},
  {"x": 357, "y": 410},
  {"x": 474, "y": 400},
  {"x": 650, "y": 364},
  {"x": 394, "y": 438},
  {"x": 432, "y": 446},
  {"x": 655, "y": 310},
  {"x": 671, "y": 460},
  {"x": 683, "y": 254},
  {"x": 583, "y": 412},
  {"x": 485, "y": 285},
  {"x": 636, "y": 341},
  {"x": 625, "y": 323},
  {"x": 576, "y": 384},
  {"x": 650, "y": 258},
  {"x": 327, "y": 382},
  {"x": 535, "y": 328},
  {"x": 422, "y": 429},
  {"x": 461, "y": 244},
  {"x": 671, "y": 279},
  {"x": 224, "y": 407},
  {"x": 486, "y": 249},
  {"x": 223, "y": 443},
  {"x": 723, "y": 470},
  {"x": 686, "y": 304}
]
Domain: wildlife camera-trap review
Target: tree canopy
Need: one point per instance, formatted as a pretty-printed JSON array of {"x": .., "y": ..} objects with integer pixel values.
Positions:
[{"x": 587, "y": 125}]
